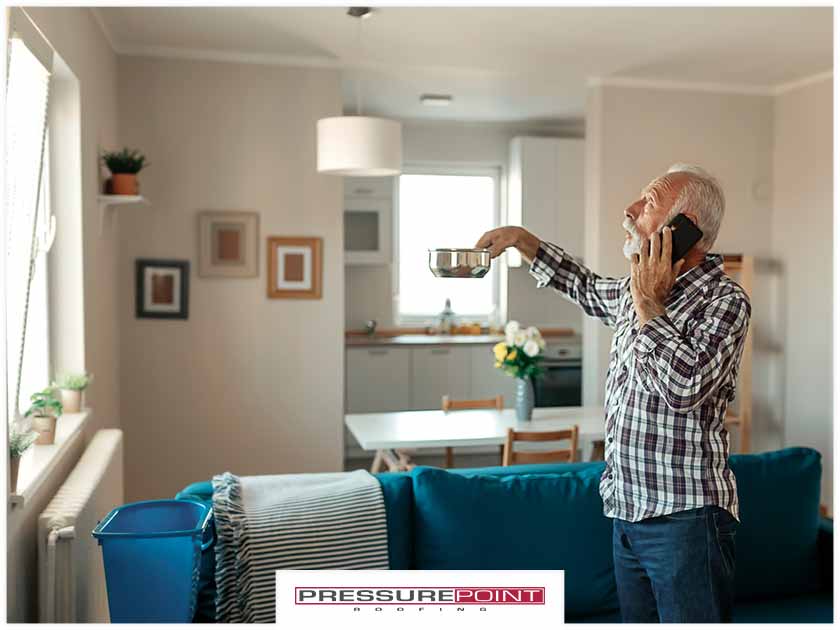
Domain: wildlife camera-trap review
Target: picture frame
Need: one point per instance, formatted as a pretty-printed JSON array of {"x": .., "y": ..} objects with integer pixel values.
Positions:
[
  {"x": 294, "y": 267},
  {"x": 228, "y": 243},
  {"x": 162, "y": 288}
]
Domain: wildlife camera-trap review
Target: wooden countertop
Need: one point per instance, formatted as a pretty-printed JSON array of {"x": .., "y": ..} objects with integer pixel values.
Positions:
[{"x": 417, "y": 337}]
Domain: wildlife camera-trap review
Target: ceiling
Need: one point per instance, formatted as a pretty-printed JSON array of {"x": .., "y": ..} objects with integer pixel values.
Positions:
[{"x": 500, "y": 64}]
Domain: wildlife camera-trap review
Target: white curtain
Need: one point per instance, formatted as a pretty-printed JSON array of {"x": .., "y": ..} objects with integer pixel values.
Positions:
[{"x": 27, "y": 94}]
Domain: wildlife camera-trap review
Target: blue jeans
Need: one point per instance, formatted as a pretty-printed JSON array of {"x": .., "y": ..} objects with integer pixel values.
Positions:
[{"x": 676, "y": 568}]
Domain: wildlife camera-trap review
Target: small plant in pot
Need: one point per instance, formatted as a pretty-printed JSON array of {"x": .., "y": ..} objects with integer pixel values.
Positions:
[
  {"x": 124, "y": 166},
  {"x": 19, "y": 443},
  {"x": 44, "y": 411},
  {"x": 71, "y": 387}
]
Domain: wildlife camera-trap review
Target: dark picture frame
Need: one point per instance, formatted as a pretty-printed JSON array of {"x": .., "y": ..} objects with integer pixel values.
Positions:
[{"x": 162, "y": 288}]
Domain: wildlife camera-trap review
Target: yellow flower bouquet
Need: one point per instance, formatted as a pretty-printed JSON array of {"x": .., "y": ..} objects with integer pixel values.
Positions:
[{"x": 521, "y": 353}]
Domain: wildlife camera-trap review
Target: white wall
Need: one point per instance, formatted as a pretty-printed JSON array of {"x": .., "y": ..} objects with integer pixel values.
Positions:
[
  {"x": 802, "y": 247},
  {"x": 79, "y": 41},
  {"x": 246, "y": 384},
  {"x": 369, "y": 289}
]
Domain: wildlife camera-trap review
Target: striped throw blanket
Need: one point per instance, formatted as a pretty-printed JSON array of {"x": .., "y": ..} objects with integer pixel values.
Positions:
[{"x": 307, "y": 521}]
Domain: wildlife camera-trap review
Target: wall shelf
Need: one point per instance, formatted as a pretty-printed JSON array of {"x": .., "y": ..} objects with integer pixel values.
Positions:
[{"x": 112, "y": 201}]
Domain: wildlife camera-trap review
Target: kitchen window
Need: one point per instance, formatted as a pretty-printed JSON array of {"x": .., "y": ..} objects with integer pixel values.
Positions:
[{"x": 444, "y": 207}]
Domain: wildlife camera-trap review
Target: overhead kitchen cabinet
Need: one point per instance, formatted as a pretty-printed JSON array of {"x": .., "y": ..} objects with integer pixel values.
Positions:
[
  {"x": 545, "y": 190},
  {"x": 368, "y": 206}
]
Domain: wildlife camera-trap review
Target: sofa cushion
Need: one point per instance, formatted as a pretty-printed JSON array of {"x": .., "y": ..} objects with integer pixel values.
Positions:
[
  {"x": 809, "y": 608},
  {"x": 519, "y": 521},
  {"x": 399, "y": 514},
  {"x": 776, "y": 542}
]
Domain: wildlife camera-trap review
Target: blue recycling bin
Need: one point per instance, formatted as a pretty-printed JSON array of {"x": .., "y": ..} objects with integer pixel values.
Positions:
[{"x": 152, "y": 553}]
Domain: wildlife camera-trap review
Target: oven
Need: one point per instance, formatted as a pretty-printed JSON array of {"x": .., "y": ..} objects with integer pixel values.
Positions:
[{"x": 560, "y": 385}]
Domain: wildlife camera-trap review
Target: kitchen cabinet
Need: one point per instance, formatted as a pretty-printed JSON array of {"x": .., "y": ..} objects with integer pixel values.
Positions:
[
  {"x": 368, "y": 206},
  {"x": 438, "y": 371},
  {"x": 369, "y": 187},
  {"x": 546, "y": 189},
  {"x": 378, "y": 379},
  {"x": 488, "y": 381}
]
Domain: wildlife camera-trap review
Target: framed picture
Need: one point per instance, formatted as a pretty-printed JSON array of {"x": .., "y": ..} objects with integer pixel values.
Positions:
[
  {"x": 227, "y": 244},
  {"x": 294, "y": 267},
  {"x": 162, "y": 288}
]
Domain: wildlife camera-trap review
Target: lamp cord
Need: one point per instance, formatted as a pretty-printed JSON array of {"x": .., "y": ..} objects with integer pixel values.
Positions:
[{"x": 358, "y": 79}]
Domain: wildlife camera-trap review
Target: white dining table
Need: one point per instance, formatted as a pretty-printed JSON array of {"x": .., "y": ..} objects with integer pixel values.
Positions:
[{"x": 390, "y": 433}]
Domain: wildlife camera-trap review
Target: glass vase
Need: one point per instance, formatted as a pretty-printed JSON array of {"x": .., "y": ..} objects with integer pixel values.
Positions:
[{"x": 524, "y": 399}]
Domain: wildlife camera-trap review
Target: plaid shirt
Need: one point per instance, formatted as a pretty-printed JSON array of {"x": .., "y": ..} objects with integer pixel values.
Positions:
[{"x": 669, "y": 383}]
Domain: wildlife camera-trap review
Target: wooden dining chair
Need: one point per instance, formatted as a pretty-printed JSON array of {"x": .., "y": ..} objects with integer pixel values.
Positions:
[
  {"x": 511, "y": 457},
  {"x": 447, "y": 404}
]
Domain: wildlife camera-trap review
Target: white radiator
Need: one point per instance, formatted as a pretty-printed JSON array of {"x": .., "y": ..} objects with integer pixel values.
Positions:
[{"x": 71, "y": 578}]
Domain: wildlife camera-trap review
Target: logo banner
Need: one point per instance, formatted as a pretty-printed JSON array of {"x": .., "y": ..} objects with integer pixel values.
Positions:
[{"x": 356, "y": 599}]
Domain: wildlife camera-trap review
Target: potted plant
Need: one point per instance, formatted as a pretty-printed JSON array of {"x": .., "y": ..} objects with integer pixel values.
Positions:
[
  {"x": 19, "y": 443},
  {"x": 124, "y": 166},
  {"x": 71, "y": 387},
  {"x": 44, "y": 411},
  {"x": 520, "y": 356}
]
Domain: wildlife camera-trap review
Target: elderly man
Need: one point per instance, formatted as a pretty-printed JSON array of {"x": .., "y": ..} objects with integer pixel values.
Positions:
[{"x": 679, "y": 336}]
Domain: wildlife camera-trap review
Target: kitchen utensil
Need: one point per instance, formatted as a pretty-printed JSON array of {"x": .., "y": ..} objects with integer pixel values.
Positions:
[{"x": 459, "y": 263}]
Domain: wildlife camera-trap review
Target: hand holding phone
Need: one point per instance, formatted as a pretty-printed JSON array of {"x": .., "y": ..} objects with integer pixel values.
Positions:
[{"x": 684, "y": 237}]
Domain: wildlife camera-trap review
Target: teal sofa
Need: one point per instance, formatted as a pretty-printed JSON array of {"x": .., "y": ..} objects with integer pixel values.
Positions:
[{"x": 549, "y": 516}]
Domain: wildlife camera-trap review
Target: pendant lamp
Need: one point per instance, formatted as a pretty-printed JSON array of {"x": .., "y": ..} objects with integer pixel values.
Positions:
[{"x": 359, "y": 146}]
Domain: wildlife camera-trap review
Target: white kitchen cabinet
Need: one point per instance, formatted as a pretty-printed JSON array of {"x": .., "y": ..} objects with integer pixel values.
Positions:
[
  {"x": 368, "y": 206},
  {"x": 488, "y": 381},
  {"x": 382, "y": 187},
  {"x": 546, "y": 188},
  {"x": 439, "y": 371},
  {"x": 367, "y": 231},
  {"x": 378, "y": 379}
]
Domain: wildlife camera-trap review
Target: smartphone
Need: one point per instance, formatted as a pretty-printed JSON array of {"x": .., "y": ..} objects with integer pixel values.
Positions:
[{"x": 684, "y": 236}]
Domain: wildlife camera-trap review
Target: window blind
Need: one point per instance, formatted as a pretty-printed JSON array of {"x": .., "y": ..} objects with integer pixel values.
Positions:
[{"x": 27, "y": 98}]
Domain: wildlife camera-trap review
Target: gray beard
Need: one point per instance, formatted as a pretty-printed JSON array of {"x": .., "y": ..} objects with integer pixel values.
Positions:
[{"x": 634, "y": 245}]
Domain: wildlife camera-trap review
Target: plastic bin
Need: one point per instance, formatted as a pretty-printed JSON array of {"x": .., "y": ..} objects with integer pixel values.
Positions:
[{"x": 152, "y": 552}]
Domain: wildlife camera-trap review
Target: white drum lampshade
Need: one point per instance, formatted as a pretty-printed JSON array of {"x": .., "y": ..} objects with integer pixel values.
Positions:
[{"x": 359, "y": 146}]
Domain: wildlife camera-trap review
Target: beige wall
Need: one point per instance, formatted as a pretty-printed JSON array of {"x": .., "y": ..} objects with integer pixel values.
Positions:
[
  {"x": 802, "y": 228},
  {"x": 370, "y": 288},
  {"x": 247, "y": 384},
  {"x": 633, "y": 135},
  {"x": 79, "y": 41}
]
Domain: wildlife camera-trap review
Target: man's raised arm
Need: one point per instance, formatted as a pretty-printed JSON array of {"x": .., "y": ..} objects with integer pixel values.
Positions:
[{"x": 552, "y": 266}]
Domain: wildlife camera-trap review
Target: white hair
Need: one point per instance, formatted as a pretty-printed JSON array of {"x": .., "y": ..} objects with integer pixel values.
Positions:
[{"x": 703, "y": 196}]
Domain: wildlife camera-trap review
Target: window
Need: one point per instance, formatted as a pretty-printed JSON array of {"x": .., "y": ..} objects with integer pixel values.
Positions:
[
  {"x": 444, "y": 207},
  {"x": 27, "y": 214}
]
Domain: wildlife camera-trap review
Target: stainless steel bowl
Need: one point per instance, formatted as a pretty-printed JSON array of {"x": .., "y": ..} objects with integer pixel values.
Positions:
[{"x": 459, "y": 263}]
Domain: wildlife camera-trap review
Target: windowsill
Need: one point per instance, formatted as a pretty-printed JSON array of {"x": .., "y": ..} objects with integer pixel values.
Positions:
[{"x": 39, "y": 461}]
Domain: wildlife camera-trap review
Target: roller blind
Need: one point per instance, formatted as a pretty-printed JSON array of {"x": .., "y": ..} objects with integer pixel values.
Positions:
[{"x": 25, "y": 205}]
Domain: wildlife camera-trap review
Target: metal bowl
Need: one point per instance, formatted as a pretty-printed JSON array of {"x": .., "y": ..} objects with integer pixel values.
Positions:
[{"x": 459, "y": 263}]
